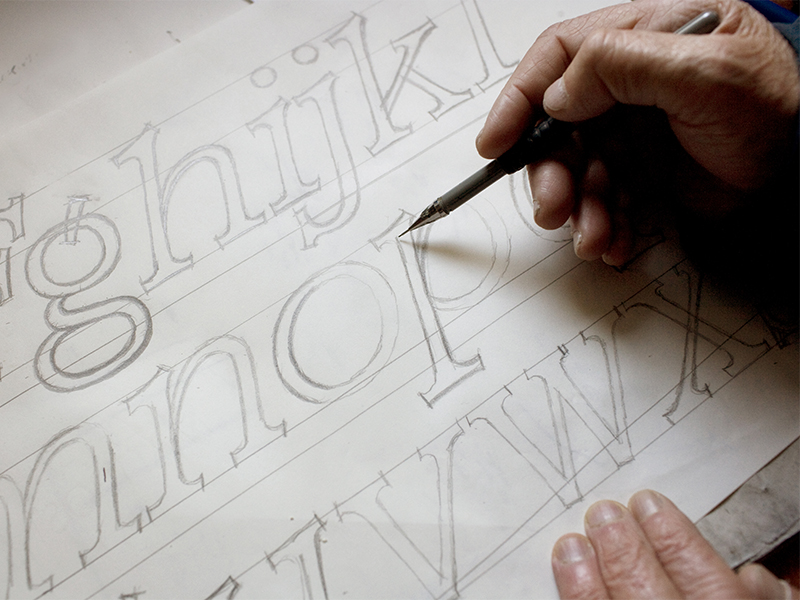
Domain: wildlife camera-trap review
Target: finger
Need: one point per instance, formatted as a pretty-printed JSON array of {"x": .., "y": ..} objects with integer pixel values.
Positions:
[
  {"x": 691, "y": 563},
  {"x": 644, "y": 68},
  {"x": 621, "y": 247},
  {"x": 591, "y": 222},
  {"x": 709, "y": 86},
  {"x": 554, "y": 50},
  {"x": 575, "y": 569},
  {"x": 628, "y": 563},
  {"x": 553, "y": 191},
  {"x": 551, "y": 53},
  {"x": 763, "y": 585}
]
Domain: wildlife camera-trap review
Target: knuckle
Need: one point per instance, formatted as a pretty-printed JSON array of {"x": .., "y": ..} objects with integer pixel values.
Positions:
[
  {"x": 597, "y": 42},
  {"x": 670, "y": 539},
  {"x": 759, "y": 72},
  {"x": 623, "y": 564}
]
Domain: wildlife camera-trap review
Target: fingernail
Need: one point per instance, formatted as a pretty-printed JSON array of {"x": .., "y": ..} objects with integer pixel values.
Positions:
[
  {"x": 757, "y": 577},
  {"x": 478, "y": 137},
  {"x": 604, "y": 512},
  {"x": 572, "y": 549},
  {"x": 555, "y": 97},
  {"x": 536, "y": 208},
  {"x": 577, "y": 239},
  {"x": 646, "y": 503}
]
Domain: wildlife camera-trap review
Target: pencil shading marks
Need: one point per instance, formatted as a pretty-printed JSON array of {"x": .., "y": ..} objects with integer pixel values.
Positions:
[
  {"x": 227, "y": 591},
  {"x": 13, "y": 578},
  {"x": 142, "y": 151},
  {"x": 523, "y": 202},
  {"x": 489, "y": 242},
  {"x": 495, "y": 70},
  {"x": 318, "y": 216},
  {"x": 58, "y": 267},
  {"x": 318, "y": 322},
  {"x": 448, "y": 372},
  {"x": 72, "y": 504},
  {"x": 220, "y": 370}
]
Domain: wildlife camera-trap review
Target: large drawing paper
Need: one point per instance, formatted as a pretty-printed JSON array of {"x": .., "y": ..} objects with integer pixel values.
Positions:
[
  {"x": 223, "y": 375},
  {"x": 53, "y": 52}
]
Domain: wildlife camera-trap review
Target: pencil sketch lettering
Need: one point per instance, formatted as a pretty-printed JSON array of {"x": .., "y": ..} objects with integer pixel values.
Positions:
[
  {"x": 223, "y": 375},
  {"x": 354, "y": 34},
  {"x": 44, "y": 520},
  {"x": 228, "y": 590},
  {"x": 448, "y": 372},
  {"x": 12, "y": 216},
  {"x": 175, "y": 395},
  {"x": 596, "y": 385},
  {"x": 6, "y": 292},
  {"x": 13, "y": 576},
  {"x": 293, "y": 189},
  {"x": 319, "y": 216},
  {"x": 495, "y": 70},
  {"x": 303, "y": 549},
  {"x": 518, "y": 418},
  {"x": 490, "y": 242},
  {"x": 444, "y": 99},
  {"x": 142, "y": 151},
  {"x": 63, "y": 363},
  {"x": 134, "y": 595},
  {"x": 230, "y": 358},
  {"x": 300, "y": 342}
]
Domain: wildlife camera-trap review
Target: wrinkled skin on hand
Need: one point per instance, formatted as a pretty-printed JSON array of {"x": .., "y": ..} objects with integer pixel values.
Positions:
[
  {"x": 704, "y": 123},
  {"x": 651, "y": 550}
]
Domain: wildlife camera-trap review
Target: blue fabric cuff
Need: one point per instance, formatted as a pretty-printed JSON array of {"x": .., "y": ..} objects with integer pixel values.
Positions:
[{"x": 791, "y": 31}]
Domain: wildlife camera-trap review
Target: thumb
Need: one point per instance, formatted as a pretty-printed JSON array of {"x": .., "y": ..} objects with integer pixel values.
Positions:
[
  {"x": 645, "y": 68},
  {"x": 761, "y": 584}
]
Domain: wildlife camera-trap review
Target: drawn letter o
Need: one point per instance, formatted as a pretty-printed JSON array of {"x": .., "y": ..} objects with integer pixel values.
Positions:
[{"x": 377, "y": 299}]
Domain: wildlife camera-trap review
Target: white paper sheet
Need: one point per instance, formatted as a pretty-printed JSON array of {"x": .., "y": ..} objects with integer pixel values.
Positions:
[
  {"x": 53, "y": 52},
  {"x": 223, "y": 375}
]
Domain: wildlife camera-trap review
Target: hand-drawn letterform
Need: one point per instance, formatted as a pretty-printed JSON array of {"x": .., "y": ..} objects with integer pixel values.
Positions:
[{"x": 87, "y": 235}]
